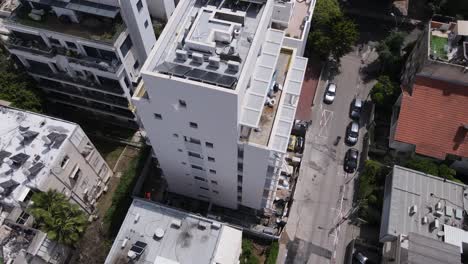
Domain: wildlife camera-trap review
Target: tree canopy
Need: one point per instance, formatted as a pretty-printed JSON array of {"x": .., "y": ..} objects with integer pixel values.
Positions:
[
  {"x": 17, "y": 87},
  {"x": 384, "y": 91},
  {"x": 431, "y": 167},
  {"x": 390, "y": 53},
  {"x": 331, "y": 33},
  {"x": 63, "y": 221}
]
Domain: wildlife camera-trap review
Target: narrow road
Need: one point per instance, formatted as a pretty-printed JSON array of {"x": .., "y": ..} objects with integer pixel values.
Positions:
[{"x": 315, "y": 229}]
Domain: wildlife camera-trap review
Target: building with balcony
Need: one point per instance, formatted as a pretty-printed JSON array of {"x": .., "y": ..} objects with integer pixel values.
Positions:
[
  {"x": 152, "y": 233},
  {"x": 85, "y": 55},
  {"x": 39, "y": 153},
  {"x": 218, "y": 100}
]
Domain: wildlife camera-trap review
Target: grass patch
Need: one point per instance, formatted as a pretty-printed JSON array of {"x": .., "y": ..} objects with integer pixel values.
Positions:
[
  {"x": 272, "y": 253},
  {"x": 122, "y": 197},
  {"x": 438, "y": 46},
  {"x": 109, "y": 150},
  {"x": 248, "y": 256}
]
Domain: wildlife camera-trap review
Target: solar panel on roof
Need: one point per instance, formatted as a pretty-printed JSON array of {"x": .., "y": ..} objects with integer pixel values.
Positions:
[
  {"x": 165, "y": 67},
  {"x": 8, "y": 187},
  {"x": 4, "y": 154},
  {"x": 36, "y": 168},
  {"x": 226, "y": 81},
  {"x": 179, "y": 70},
  {"x": 196, "y": 74},
  {"x": 211, "y": 77},
  {"x": 29, "y": 135},
  {"x": 56, "y": 139},
  {"x": 20, "y": 158}
]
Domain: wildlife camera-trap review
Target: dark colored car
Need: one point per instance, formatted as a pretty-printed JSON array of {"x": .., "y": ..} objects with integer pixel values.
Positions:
[
  {"x": 299, "y": 145},
  {"x": 356, "y": 108},
  {"x": 351, "y": 160},
  {"x": 352, "y": 133}
]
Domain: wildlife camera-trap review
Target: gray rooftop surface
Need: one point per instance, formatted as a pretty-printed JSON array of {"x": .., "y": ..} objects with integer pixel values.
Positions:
[
  {"x": 424, "y": 250},
  {"x": 406, "y": 188},
  {"x": 210, "y": 28},
  {"x": 188, "y": 244}
]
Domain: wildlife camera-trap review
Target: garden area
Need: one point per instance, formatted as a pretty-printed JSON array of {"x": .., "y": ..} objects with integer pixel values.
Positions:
[{"x": 256, "y": 252}]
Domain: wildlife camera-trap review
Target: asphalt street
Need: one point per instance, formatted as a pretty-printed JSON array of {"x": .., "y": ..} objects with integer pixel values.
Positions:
[{"x": 316, "y": 231}]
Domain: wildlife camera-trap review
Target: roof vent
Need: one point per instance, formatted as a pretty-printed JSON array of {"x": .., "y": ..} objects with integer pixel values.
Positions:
[
  {"x": 197, "y": 58},
  {"x": 137, "y": 217},
  {"x": 176, "y": 223},
  {"x": 413, "y": 209},
  {"x": 181, "y": 55},
  {"x": 124, "y": 243},
  {"x": 215, "y": 225},
  {"x": 424, "y": 220},
  {"x": 435, "y": 225},
  {"x": 213, "y": 62},
  {"x": 202, "y": 225},
  {"x": 159, "y": 233},
  {"x": 233, "y": 66}
]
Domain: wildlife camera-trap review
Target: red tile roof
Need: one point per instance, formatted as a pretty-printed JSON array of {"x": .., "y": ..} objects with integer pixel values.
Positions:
[{"x": 432, "y": 118}]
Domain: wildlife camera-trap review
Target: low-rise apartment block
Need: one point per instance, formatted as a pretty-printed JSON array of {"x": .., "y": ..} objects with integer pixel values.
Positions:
[
  {"x": 218, "y": 101},
  {"x": 85, "y": 55},
  {"x": 152, "y": 233},
  {"x": 39, "y": 153},
  {"x": 423, "y": 219}
]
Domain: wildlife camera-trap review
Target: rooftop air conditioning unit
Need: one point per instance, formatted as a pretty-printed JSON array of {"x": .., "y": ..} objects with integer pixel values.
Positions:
[
  {"x": 159, "y": 233},
  {"x": 435, "y": 224},
  {"x": 424, "y": 220},
  {"x": 202, "y": 225},
  {"x": 215, "y": 225},
  {"x": 413, "y": 209},
  {"x": 197, "y": 58},
  {"x": 233, "y": 66},
  {"x": 181, "y": 55},
  {"x": 214, "y": 62},
  {"x": 438, "y": 206},
  {"x": 176, "y": 223},
  {"x": 137, "y": 217}
]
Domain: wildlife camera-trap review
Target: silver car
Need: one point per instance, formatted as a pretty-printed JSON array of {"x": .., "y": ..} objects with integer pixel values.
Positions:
[
  {"x": 352, "y": 133},
  {"x": 330, "y": 93},
  {"x": 356, "y": 108}
]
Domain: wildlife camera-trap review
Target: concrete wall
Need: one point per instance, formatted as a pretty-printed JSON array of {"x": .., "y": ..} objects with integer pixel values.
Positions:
[
  {"x": 161, "y": 9},
  {"x": 254, "y": 175},
  {"x": 214, "y": 110}
]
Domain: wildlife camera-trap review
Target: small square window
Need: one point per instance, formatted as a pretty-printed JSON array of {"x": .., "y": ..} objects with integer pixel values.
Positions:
[
  {"x": 139, "y": 5},
  {"x": 175, "y": 135},
  {"x": 64, "y": 162},
  {"x": 240, "y": 167},
  {"x": 239, "y": 188},
  {"x": 214, "y": 191},
  {"x": 239, "y": 199},
  {"x": 71, "y": 45},
  {"x": 158, "y": 116},
  {"x": 239, "y": 179},
  {"x": 214, "y": 182},
  {"x": 180, "y": 150},
  {"x": 211, "y": 159},
  {"x": 182, "y": 104},
  {"x": 146, "y": 24},
  {"x": 193, "y": 125},
  {"x": 136, "y": 65},
  {"x": 212, "y": 171},
  {"x": 209, "y": 145},
  {"x": 204, "y": 188}
]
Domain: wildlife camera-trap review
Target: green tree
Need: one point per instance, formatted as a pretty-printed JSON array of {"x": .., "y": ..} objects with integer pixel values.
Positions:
[
  {"x": 390, "y": 53},
  {"x": 331, "y": 33},
  {"x": 247, "y": 256},
  {"x": 63, "y": 221},
  {"x": 423, "y": 165},
  {"x": 384, "y": 91}
]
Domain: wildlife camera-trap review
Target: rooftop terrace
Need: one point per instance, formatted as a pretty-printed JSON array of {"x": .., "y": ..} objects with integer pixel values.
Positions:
[
  {"x": 211, "y": 41},
  {"x": 300, "y": 16},
  {"x": 448, "y": 41},
  {"x": 172, "y": 236},
  {"x": 91, "y": 26},
  {"x": 29, "y": 145}
]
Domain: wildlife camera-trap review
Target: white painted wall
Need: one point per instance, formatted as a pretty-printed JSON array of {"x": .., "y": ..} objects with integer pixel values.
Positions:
[
  {"x": 214, "y": 110},
  {"x": 255, "y": 169},
  {"x": 161, "y": 9}
]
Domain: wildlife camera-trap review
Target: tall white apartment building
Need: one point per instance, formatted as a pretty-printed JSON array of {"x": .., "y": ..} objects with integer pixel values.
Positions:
[
  {"x": 39, "y": 153},
  {"x": 218, "y": 101},
  {"x": 85, "y": 55}
]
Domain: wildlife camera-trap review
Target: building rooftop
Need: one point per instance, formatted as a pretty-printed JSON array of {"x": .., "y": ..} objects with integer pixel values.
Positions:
[
  {"x": 434, "y": 118},
  {"x": 423, "y": 250},
  {"x": 97, "y": 22},
  {"x": 448, "y": 40},
  {"x": 301, "y": 14},
  {"x": 419, "y": 203},
  {"x": 29, "y": 145},
  {"x": 211, "y": 41},
  {"x": 166, "y": 235}
]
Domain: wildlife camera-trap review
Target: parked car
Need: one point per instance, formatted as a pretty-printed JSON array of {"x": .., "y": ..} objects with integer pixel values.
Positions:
[
  {"x": 356, "y": 108},
  {"x": 351, "y": 160},
  {"x": 299, "y": 145},
  {"x": 299, "y": 128},
  {"x": 352, "y": 133},
  {"x": 361, "y": 258},
  {"x": 330, "y": 93}
]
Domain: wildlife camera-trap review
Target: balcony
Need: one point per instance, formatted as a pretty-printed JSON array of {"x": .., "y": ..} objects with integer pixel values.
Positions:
[
  {"x": 101, "y": 64},
  {"x": 90, "y": 27},
  {"x": 29, "y": 46}
]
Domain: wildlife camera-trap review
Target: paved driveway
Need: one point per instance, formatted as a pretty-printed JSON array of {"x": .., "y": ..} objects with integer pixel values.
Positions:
[{"x": 313, "y": 233}]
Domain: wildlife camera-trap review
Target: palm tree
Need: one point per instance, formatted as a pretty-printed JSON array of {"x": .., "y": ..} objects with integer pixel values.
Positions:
[{"x": 63, "y": 221}]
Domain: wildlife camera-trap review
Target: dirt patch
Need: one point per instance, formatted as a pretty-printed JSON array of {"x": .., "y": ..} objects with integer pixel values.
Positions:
[{"x": 95, "y": 244}]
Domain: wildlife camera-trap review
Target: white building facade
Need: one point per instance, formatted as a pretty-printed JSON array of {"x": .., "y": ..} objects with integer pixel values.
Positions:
[
  {"x": 85, "y": 55},
  {"x": 39, "y": 153},
  {"x": 218, "y": 101}
]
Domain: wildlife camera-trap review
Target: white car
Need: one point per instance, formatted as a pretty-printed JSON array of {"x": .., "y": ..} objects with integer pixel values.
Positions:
[{"x": 330, "y": 93}]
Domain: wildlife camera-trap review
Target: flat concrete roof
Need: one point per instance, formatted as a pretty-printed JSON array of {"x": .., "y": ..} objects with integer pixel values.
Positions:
[
  {"x": 29, "y": 146},
  {"x": 424, "y": 250},
  {"x": 186, "y": 238},
  {"x": 411, "y": 196}
]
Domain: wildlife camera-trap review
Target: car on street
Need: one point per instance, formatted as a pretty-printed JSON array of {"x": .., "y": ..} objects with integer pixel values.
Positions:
[
  {"x": 330, "y": 93},
  {"x": 361, "y": 259},
  {"x": 356, "y": 108},
  {"x": 351, "y": 160},
  {"x": 352, "y": 133}
]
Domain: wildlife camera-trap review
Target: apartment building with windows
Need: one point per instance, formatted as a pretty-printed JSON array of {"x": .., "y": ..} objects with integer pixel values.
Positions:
[
  {"x": 218, "y": 100},
  {"x": 39, "y": 153},
  {"x": 85, "y": 55}
]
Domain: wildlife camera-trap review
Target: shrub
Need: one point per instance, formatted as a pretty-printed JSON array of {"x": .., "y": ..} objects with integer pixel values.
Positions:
[{"x": 272, "y": 253}]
